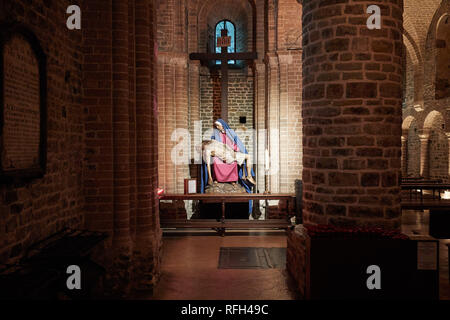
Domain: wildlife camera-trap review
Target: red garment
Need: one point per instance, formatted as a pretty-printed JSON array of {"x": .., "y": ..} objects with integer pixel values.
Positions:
[{"x": 226, "y": 172}]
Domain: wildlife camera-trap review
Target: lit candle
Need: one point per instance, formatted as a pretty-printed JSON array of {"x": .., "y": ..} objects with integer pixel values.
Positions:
[
  {"x": 267, "y": 156},
  {"x": 446, "y": 194}
]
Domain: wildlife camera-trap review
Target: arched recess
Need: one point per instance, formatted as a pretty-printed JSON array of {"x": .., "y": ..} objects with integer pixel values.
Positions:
[
  {"x": 242, "y": 13},
  {"x": 442, "y": 81},
  {"x": 431, "y": 51},
  {"x": 413, "y": 147},
  {"x": 438, "y": 146},
  {"x": 415, "y": 73},
  {"x": 407, "y": 122}
]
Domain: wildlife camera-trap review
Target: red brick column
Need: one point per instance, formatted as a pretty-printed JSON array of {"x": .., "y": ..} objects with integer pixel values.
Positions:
[
  {"x": 143, "y": 121},
  {"x": 352, "y": 113},
  {"x": 97, "y": 101},
  {"x": 148, "y": 233},
  {"x": 132, "y": 114},
  {"x": 121, "y": 139}
]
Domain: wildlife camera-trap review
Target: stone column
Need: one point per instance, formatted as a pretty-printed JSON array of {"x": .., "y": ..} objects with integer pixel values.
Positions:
[
  {"x": 352, "y": 99},
  {"x": 404, "y": 155},
  {"x": 121, "y": 120},
  {"x": 424, "y": 155}
]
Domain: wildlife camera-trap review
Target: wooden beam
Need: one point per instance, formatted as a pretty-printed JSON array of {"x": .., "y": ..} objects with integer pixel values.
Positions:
[
  {"x": 234, "y": 223},
  {"x": 230, "y": 197},
  {"x": 224, "y": 83},
  {"x": 224, "y": 56}
]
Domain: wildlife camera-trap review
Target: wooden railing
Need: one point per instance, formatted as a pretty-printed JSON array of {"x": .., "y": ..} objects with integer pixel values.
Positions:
[{"x": 230, "y": 223}]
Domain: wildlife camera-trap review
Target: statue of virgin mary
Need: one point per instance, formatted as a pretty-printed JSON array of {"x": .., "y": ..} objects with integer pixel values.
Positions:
[{"x": 227, "y": 172}]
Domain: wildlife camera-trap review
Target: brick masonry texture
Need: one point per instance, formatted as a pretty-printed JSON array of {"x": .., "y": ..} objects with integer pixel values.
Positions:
[
  {"x": 121, "y": 131},
  {"x": 351, "y": 114},
  {"x": 31, "y": 211},
  {"x": 296, "y": 257},
  {"x": 413, "y": 164},
  {"x": 329, "y": 89},
  {"x": 102, "y": 157}
]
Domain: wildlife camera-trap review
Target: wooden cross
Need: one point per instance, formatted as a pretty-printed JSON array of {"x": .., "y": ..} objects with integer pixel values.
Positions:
[{"x": 224, "y": 57}]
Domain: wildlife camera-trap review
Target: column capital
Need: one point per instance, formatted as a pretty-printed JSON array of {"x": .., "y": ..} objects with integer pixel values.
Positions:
[
  {"x": 175, "y": 58},
  {"x": 271, "y": 59},
  {"x": 194, "y": 63},
  {"x": 418, "y": 107},
  {"x": 260, "y": 67},
  {"x": 284, "y": 57},
  {"x": 179, "y": 61},
  {"x": 424, "y": 134}
]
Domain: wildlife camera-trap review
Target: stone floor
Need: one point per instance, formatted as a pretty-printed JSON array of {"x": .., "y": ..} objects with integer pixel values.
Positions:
[
  {"x": 190, "y": 265},
  {"x": 190, "y": 269}
]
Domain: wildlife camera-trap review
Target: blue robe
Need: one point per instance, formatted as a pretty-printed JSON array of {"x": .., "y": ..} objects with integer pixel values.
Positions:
[{"x": 233, "y": 136}]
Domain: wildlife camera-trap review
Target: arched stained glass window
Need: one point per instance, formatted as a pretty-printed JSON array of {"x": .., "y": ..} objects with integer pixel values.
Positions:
[{"x": 225, "y": 24}]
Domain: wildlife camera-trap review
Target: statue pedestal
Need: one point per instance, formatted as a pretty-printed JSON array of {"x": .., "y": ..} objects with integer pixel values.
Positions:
[
  {"x": 235, "y": 210},
  {"x": 225, "y": 188}
]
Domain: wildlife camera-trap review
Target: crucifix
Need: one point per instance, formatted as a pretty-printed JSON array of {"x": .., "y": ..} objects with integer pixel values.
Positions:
[{"x": 224, "y": 57}]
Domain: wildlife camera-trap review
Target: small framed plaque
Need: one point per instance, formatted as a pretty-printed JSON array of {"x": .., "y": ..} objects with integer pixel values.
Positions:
[
  {"x": 190, "y": 186},
  {"x": 23, "y": 110}
]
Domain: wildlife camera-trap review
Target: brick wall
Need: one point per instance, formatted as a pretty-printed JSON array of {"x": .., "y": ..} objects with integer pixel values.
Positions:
[
  {"x": 443, "y": 58},
  {"x": 408, "y": 81},
  {"x": 31, "y": 211},
  {"x": 98, "y": 112},
  {"x": 120, "y": 107},
  {"x": 438, "y": 151},
  {"x": 413, "y": 142}
]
